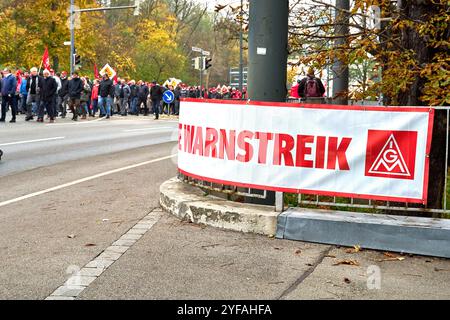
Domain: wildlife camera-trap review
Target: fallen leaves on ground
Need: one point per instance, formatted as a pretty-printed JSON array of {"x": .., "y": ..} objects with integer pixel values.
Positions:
[
  {"x": 347, "y": 280},
  {"x": 71, "y": 236},
  {"x": 347, "y": 263},
  {"x": 391, "y": 257},
  {"x": 298, "y": 251},
  {"x": 90, "y": 245},
  {"x": 355, "y": 249}
]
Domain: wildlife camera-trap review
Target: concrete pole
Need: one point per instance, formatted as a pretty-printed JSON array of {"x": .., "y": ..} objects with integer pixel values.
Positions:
[
  {"x": 268, "y": 40},
  {"x": 201, "y": 75},
  {"x": 268, "y": 53},
  {"x": 340, "y": 70},
  {"x": 241, "y": 50}
]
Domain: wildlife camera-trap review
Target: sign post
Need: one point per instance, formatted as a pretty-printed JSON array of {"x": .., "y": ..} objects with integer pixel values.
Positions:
[
  {"x": 72, "y": 12},
  {"x": 203, "y": 54}
]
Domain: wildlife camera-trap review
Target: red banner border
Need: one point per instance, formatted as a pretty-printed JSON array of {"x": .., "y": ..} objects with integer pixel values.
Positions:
[{"x": 429, "y": 110}]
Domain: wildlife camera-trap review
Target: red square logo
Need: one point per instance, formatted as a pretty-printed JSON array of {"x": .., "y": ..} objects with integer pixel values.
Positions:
[{"x": 391, "y": 154}]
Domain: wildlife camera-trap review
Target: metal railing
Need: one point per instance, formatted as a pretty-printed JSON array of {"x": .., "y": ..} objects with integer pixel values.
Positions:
[{"x": 224, "y": 189}]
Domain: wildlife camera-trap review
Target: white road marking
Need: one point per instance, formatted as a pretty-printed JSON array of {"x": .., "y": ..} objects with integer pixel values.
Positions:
[
  {"x": 62, "y": 186},
  {"x": 74, "y": 123},
  {"x": 150, "y": 129},
  {"x": 31, "y": 141}
]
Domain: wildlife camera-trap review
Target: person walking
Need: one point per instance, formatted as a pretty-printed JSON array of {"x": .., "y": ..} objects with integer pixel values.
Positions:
[
  {"x": 63, "y": 95},
  {"x": 57, "y": 78},
  {"x": 116, "y": 104},
  {"x": 124, "y": 95},
  {"x": 75, "y": 89},
  {"x": 23, "y": 93},
  {"x": 34, "y": 87},
  {"x": 143, "y": 94},
  {"x": 106, "y": 94},
  {"x": 134, "y": 98},
  {"x": 156, "y": 94},
  {"x": 177, "y": 94},
  {"x": 48, "y": 93},
  {"x": 8, "y": 90},
  {"x": 94, "y": 98},
  {"x": 16, "y": 96},
  {"x": 84, "y": 98}
]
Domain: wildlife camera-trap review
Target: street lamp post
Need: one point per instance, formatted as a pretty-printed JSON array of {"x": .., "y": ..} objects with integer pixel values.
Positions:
[
  {"x": 72, "y": 24},
  {"x": 241, "y": 49},
  {"x": 72, "y": 36}
]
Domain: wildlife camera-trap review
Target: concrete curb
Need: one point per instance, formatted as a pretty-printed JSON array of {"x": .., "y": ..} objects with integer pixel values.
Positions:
[
  {"x": 191, "y": 203},
  {"x": 415, "y": 235}
]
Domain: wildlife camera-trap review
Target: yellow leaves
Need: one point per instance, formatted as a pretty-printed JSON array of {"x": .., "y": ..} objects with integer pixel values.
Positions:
[
  {"x": 347, "y": 263},
  {"x": 391, "y": 257},
  {"x": 437, "y": 88},
  {"x": 355, "y": 249}
]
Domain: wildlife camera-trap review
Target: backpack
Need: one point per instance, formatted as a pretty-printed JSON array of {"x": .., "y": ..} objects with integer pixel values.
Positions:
[{"x": 312, "y": 88}]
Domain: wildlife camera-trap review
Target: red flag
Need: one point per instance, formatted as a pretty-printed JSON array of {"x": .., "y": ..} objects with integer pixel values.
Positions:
[
  {"x": 116, "y": 80},
  {"x": 96, "y": 74},
  {"x": 46, "y": 59}
]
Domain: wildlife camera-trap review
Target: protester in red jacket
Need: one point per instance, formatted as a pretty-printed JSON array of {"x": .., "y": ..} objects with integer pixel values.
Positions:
[{"x": 94, "y": 98}]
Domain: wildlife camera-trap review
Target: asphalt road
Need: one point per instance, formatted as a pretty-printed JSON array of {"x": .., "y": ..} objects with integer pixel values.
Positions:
[
  {"x": 32, "y": 145},
  {"x": 69, "y": 191}
]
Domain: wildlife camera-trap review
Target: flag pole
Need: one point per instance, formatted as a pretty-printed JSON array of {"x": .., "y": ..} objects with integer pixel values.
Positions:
[{"x": 39, "y": 72}]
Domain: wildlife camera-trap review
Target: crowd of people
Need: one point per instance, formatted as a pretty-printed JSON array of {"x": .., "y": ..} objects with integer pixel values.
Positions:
[{"x": 52, "y": 94}]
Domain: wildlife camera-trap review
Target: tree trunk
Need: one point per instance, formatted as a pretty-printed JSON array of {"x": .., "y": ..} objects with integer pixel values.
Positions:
[{"x": 411, "y": 40}]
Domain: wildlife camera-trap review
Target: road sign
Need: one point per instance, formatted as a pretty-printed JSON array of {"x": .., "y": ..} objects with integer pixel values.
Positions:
[
  {"x": 110, "y": 71},
  {"x": 206, "y": 53},
  {"x": 67, "y": 43},
  {"x": 195, "y": 49},
  {"x": 168, "y": 97}
]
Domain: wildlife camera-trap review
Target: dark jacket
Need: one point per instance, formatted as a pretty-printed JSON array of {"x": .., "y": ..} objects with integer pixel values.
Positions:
[
  {"x": 31, "y": 84},
  {"x": 105, "y": 88},
  {"x": 143, "y": 92},
  {"x": 156, "y": 92},
  {"x": 124, "y": 92},
  {"x": 134, "y": 91},
  {"x": 117, "y": 88},
  {"x": 75, "y": 88},
  {"x": 302, "y": 87},
  {"x": 112, "y": 91},
  {"x": 9, "y": 85},
  {"x": 49, "y": 88},
  {"x": 177, "y": 93},
  {"x": 64, "y": 91}
]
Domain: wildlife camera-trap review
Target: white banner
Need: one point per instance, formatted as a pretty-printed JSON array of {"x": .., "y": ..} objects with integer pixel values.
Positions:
[{"x": 361, "y": 152}]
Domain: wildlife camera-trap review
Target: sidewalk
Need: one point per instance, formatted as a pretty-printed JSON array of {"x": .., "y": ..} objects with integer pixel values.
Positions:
[
  {"x": 180, "y": 260},
  {"x": 165, "y": 258}
]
